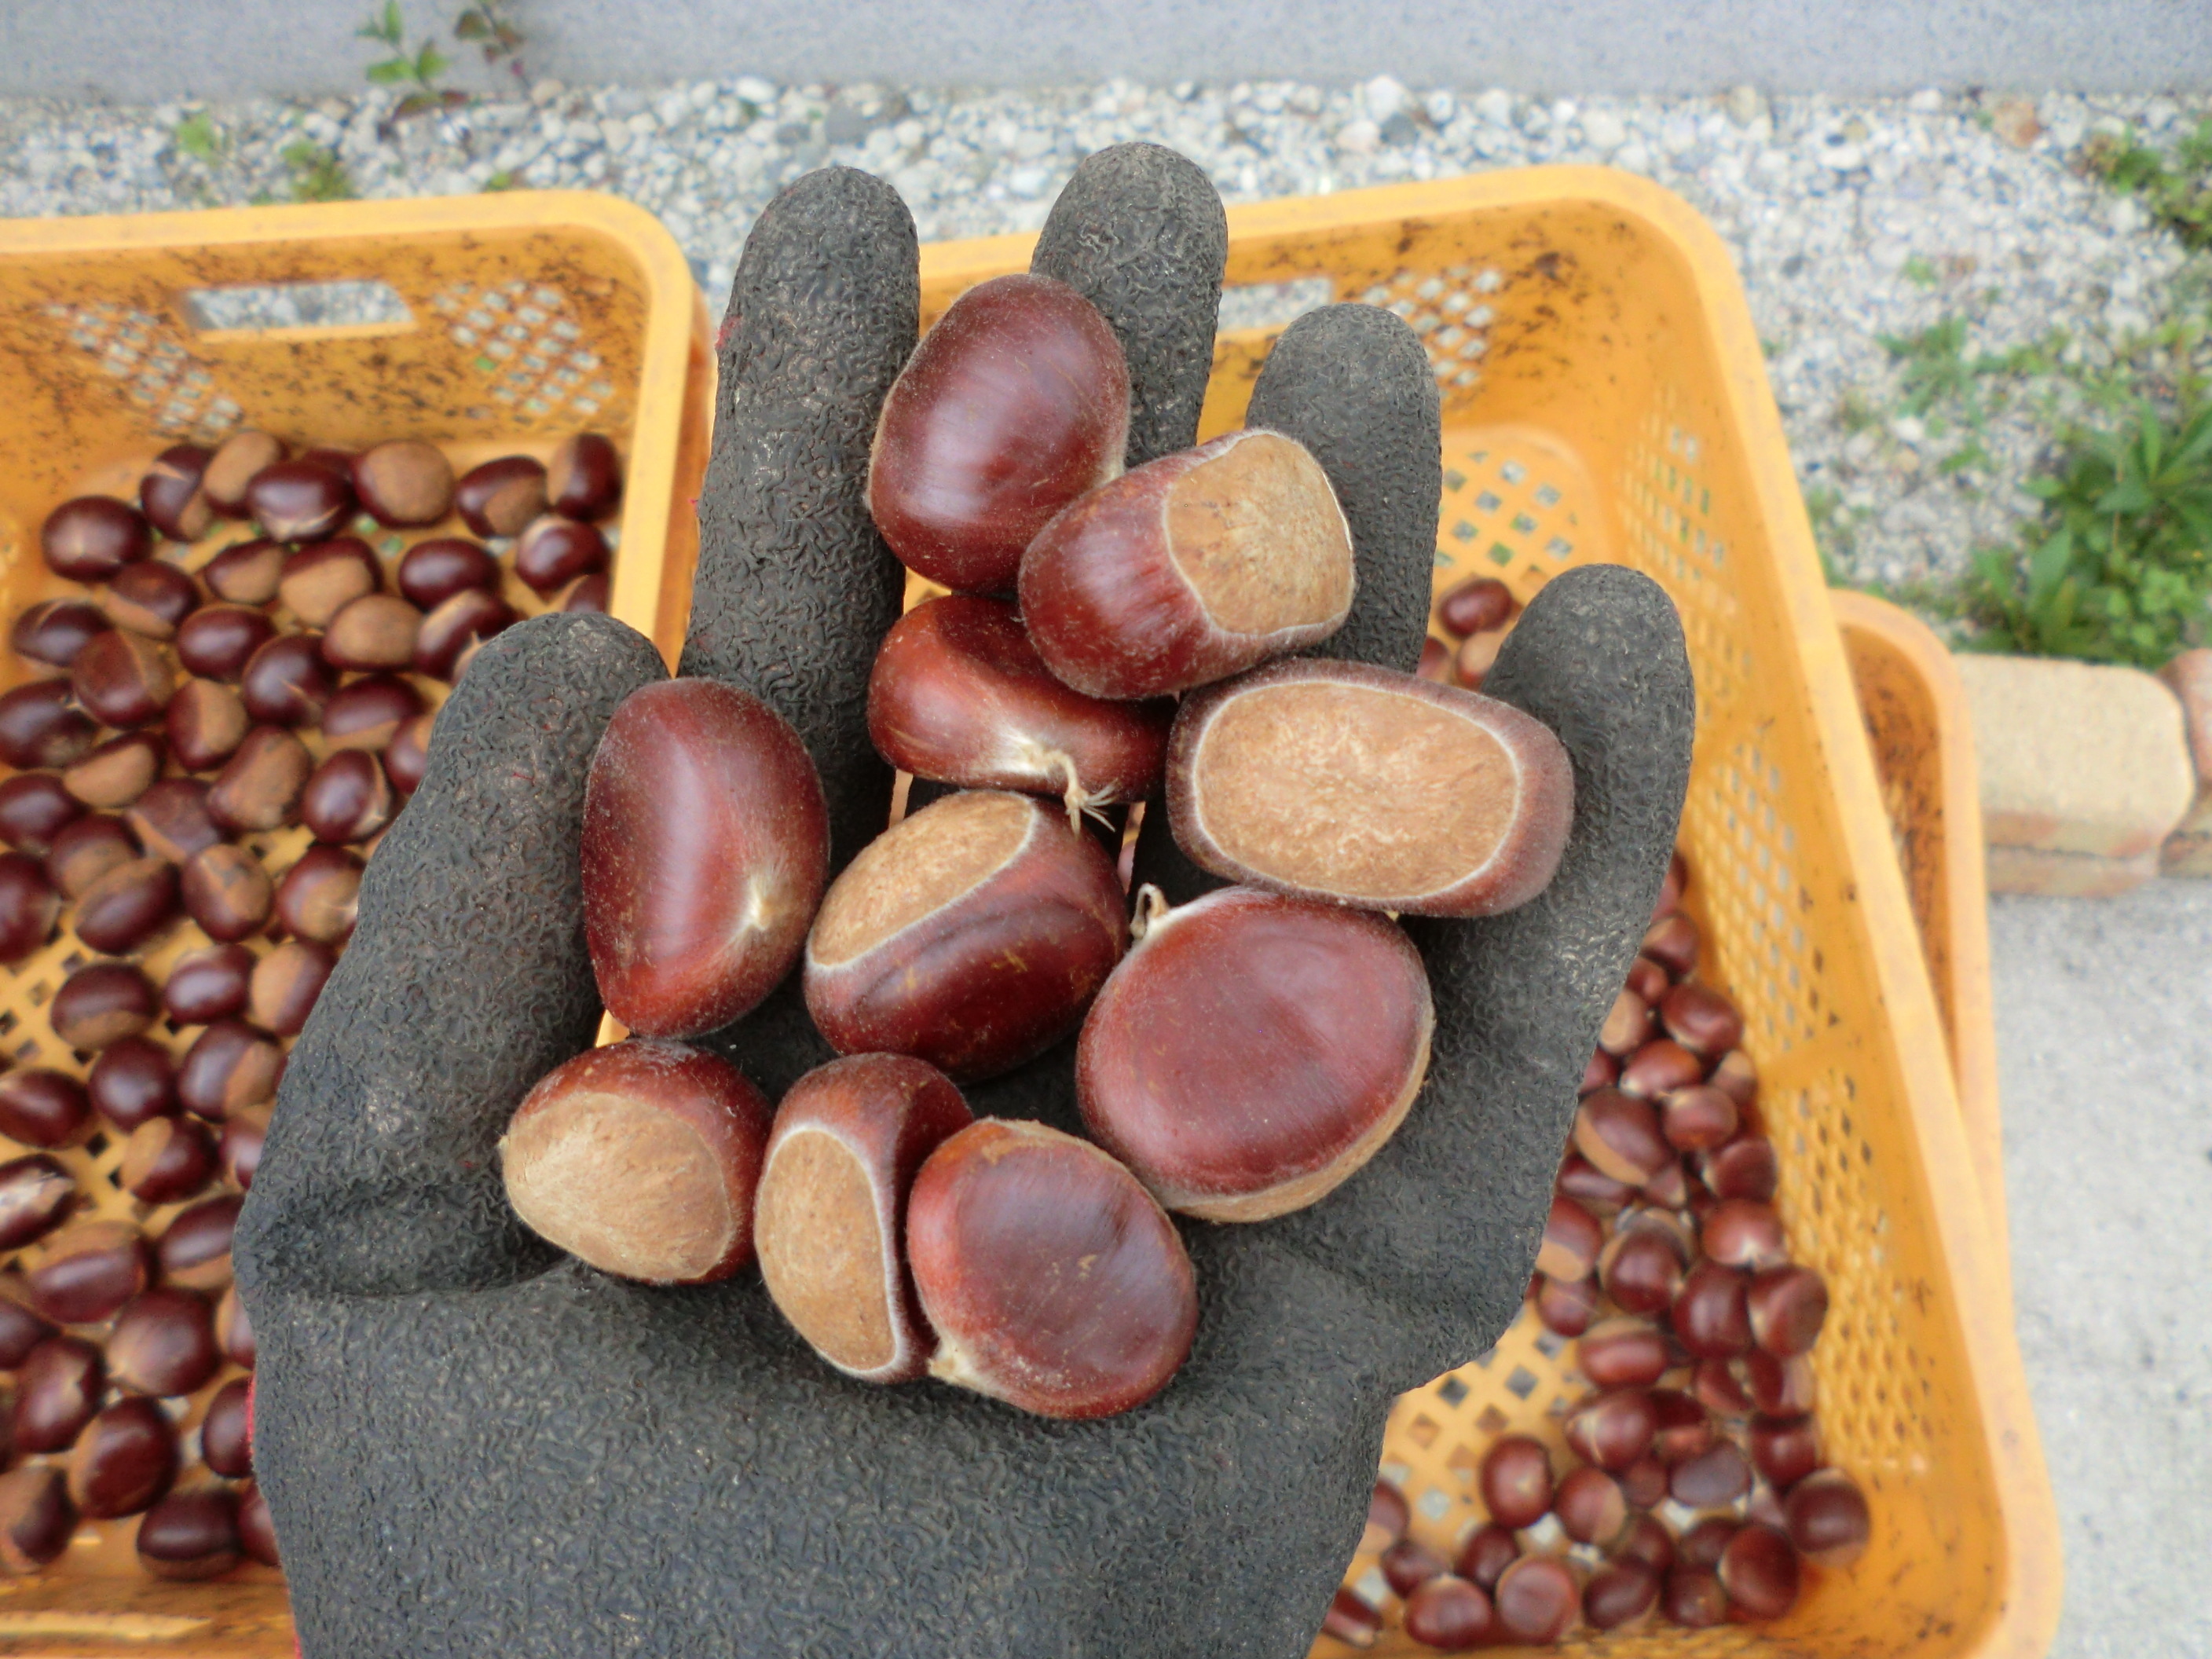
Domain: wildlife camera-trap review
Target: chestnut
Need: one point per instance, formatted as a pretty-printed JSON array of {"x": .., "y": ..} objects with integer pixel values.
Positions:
[
  {"x": 116, "y": 773},
  {"x": 1619, "y": 1135},
  {"x": 323, "y": 577},
  {"x": 170, "y": 495},
  {"x": 163, "y": 1344},
  {"x": 1409, "y": 1564},
  {"x": 21, "y": 1328},
  {"x": 217, "y": 641},
  {"x": 1647, "y": 1541},
  {"x": 170, "y": 820},
  {"x": 239, "y": 1152},
  {"x": 191, "y": 1535},
  {"x": 122, "y": 679},
  {"x": 1012, "y": 406},
  {"x": 959, "y": 695},
  {"x": 1612, "y": 1430},
  {"x": 29, "y": 906},
  {"x": 1735, "y": 1077},
  {"x": 204, "y": 986},
  {"x": 584, "y": 478},
  {"x": 586, "y": 593},
  {"x": 1600, "y": 1194},
  {"x": 42, "y": 1107},
  {"x": 1622, "y": 1352},
  {"x": 1572, "y": 1238},
  {"x": 1682, "y": 1428},
  {"x": 348, "y": 799},
  {"x": 1516, "y": 1481},
  {"x": 375, "y": 631},
  {"x": 1627, "y": 1025},
  {"x": 552, "y": 551},
  {"x": 319, "y": 896},
  {"x": 257, "y": 1533},
  {"x": 1387, "y": 1515},
  {"x": 1023, "y": 922},
  {"x": 1758, "y": 1570},
  {"x": 1349, "y": 1619},
  {"x": 36, "y": 1194},
  {"x": 195, "y": 1250},
  {"x": 642, "y": 1159},
  {"x": 259, "y": 789},
  {"x": 41, "y": 726},
  {"x": 1764, "y": 1507},
  {"x": 1716, "y": 1476},
  {"x": 1701, "y": 1019},
  {"x": 405, "y": 482},
  {"x": 1537, "y": 1600},
  {"x": 102, "y": 1002},
  {"x": 830, "y": 1212},
  {"x": 90, "y": 850},
  {"x": 1477, "y": 654},
  {"x": 1649, "y": 982},
  {"x": 166, "y": 1159},
  {"x": 1489, "y": 1550},
  {"x": 299, "y": 500},
  {"x": 224, "y": 1447},
  {"x": 132, "y": 1083},
  {"x": 1448, "y": 1613},
  {"x": 1435, "y": 660},
  {"x": 233, "y": 1331},
  {"x": 1709, "y": 1317},
  {"x": 1670, "y": 1189},
  {"x": 451, "y": 632},
  {"x": 286, "y": 681},
  {"x": 1671, "y": 942},
  {"x": 1787, "y": 1306},
  {"x": 368, "y": 713},
  {"x": 247, "y": 573},
  {"x": 408, "y": 753},
  {"x": 1784, "y": 1449},
  {"x": 1620, "y": 1595},
  {"x": 57, "y": 1389},
  {"x": 1266, "y": 784},
  {"x": 500, "y": 497},
  {"x": 1642, "y": 1268},
  {"x": 1719, "y": 1386},
  {"x": 1659, "y": 1067},
  {"x": 1692, "y": 1598},
  {"x": 1697, "y": 1119},
  {"x": 53, "y": 631},
  {"x": 228, "y": 892},
  {"x": 1643, "y": 1483},
  {"x": 705, "y": 850},
  {"x": 206, "y": 723},
  {"x": 152, "y": 598},
  {"x": 124, "y": 1461},
  {"x": 286, "y": 984},
  {"x": 431, "y": 572},
  {"x": 1208, "y": 1067},
  {"x": 37, "y": 1518},
  {"x": 1053, "y": 1280},
  {"x": 1476, "y": 605},
  {"x": 1743, "y": 1233},
  {"x": 1746, "y": 1167},
  {"x": 92, "y": 537},
  {"x": 232, "y": 466},
  {"x": 87, "y": 1272},
  {"x": 1591, "y": 1507},
  {"x": 129, "y": 906},
  {"x": 228, "y": 1065},
  {"x": 1566, "y": 1306},
  {"x": 1827, "y": 1517},
  {"x": 1781, "y": 1386},
  {"x": 35, "y": 808}
]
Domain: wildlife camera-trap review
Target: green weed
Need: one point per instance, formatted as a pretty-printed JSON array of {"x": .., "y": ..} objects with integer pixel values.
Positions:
[
  {"x": 2178, "y": 190},
  {"x": 318, "y": 175},
  {"x": 420, "y": 69},
  {"x": 1921, "y": 272},
  {"x": 197, "y": 137}
]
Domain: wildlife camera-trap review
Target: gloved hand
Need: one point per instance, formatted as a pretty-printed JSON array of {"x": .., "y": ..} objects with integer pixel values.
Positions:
[{"x": 472, "y": 1445}]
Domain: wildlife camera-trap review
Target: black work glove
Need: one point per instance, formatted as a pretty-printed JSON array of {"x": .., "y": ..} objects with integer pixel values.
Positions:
[{"x": 472, "y": 1445}]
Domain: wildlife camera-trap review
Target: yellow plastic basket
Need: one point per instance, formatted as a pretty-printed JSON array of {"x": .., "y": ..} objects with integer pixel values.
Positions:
[
  {"x": 1605, "y": 399},
  {"x": 504, "y": 324}
]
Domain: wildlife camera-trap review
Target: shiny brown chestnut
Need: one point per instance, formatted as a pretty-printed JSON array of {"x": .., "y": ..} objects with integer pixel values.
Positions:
[
  {"x": 1627, "y": 1025},
  {"x": 227, "y": 893},
  {"x": 238, "y": 1150},
  {"x": 405, "y": 482},
  {"x": 236, "y": 461},
  {"x": 53, "y": 631},
  {"x": 166, "y": 1159},
  {"x": 101, "y": 1002},
  {"x": 22, "y": 1328},
  {"x": 257, "y": 1533},
  {"x": 1349, "y": 1620},
  {"x": 86, "y": 1272},
  {"x": 1566, "y": 1306},
  {"x": 348, "y": 799},
  {"x": 1659, "y": 1066},
  {"x": 233, "y": 1329},
  {"x": 1828, "y": 1519},
  {"x": 1600, "y": 1194},
  {"x": 29, "y": 906},
  {"x": 37, "y": 1518},
  {"x": 1488, "y": 1551},
  {"x": 1387, "y": 1514},
  {"x": 1644, "y": 1482},
  {"x": 583, "y": 479},
  {"x": 1475, "y": 606},
  {"x": 205, "y": 724},
  {"x": 1648, "y": 979},
  {"x": 92, "y": 537},
  {"x": 1742, "y": 1233},
  {"x": 224, "y": 1447},
  {"x": 1719, "y": 1386},
  {"x": 35, "y": 808},
  {"x": 1787, "y": 1306},
  {"x": 1683, "y": 1429},
  {"x": 1647, "y": 1541},
  {"x": 299, "y": 500},
  {"x": 1448, "y": 1614},
  {"x": 1781, "y": 1386},
  {"x": 116, "y": 773},
  {"x": 500, "y": 497},
  {"x": 286, "y": 681},
  {"x": 1746, "y": 1167},
  {"x": 163, "y": 1343},
  {"x": 170, "y": 820},
  {"x": 57, "y": 1389},
  {"x": 375, "y": 632},
  {"x": 1612, "y": 1430},
  {"x": 124, "y": 1461},
  {"x": 229, "y": 1064},
  {"x": 1671, "y": 942},
  {"x": 1692, "y": 1598},
  {"x": 1709, "y": 1317},
  {"x": 128, "y": 907},
  {"x": 1053, "y": 1280},
  {"x": 41, "y": 726},
  {"x": 258, "y": 788},
  {"x": 1622, "y": 1353},
  {"x": 431, "y": 572},
  {"x": 286, "y": 984},
  {"x": 1602, "y": 1072},
  {"x": 1591, "y": 1506},
  {"x": 87, "y": 850},
  {"x": 247, "y": 573},
  {"x": 1784, "y": 1449},
  {"x": 553, "y": 552},
  {"x": 1714, "y": 1477},
  {"x": 205, "y": 985},
  {"x": 1572, "y": 1239},
  {"x": 191, "y": 1535},
  {"x": 132, "y": 1082},
  {"x": 1537, "y": 1600},
  {"x": 319, "y": 896},
  {"x": 1758, "y": 1570},
  {"x": 368, "y": 713},
  {"x": 454, "y": 630},
  {"x": 42, "y": 1107},
  {"x": 323, "y": 577},
  {"x": 1735, "y": 1077},
  {"x": 36, "y": 1196},
  {"x": 1409, "y": 1564},
  {"x": 1701, "y": 1019},
  {"x": 1619, "y": 1135},
  {"x": 592, "y": 593},
  {"x": 1435, "y": 660},
  {"x": 1698, "y": 1118},
  {"x": 170, "y": 495},
  {"x": 152, "y": 598},
  {"x": 194, "y": 1252},
  {"x": 1515, "y": 1481},
  {"x": 1620, "y": 1595},
  {"x": 217, "y": 641},
  {"x": 408, "y": 754},
  {"x": 1641, "y": 1266}
]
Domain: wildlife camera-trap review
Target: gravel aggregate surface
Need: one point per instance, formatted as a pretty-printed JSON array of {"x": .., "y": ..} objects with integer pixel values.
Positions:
[{"x": 1849, "y": 221}]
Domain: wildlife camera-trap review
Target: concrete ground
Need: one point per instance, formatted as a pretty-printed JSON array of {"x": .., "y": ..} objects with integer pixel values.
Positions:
[{"x": 2104, "y": 1013}]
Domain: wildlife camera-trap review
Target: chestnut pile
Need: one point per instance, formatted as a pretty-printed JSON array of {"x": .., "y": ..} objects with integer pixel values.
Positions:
[
  {"x": 238, "y": 664},
  {"x": 900, "y": 1235},
  {"x": 1697, "y": 1485}
]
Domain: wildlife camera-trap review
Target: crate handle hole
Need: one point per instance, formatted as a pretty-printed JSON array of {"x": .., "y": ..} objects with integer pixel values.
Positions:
[{"x": 259, "y": 308}]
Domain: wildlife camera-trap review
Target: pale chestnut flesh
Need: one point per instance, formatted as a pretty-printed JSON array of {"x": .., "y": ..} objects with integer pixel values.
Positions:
[
  {"x": 1192, "y": 568},
  {"x": 1252, "y": 1053},
  {"x": 1343, "y": 782},
  {"x": 706, "y": 848}
]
